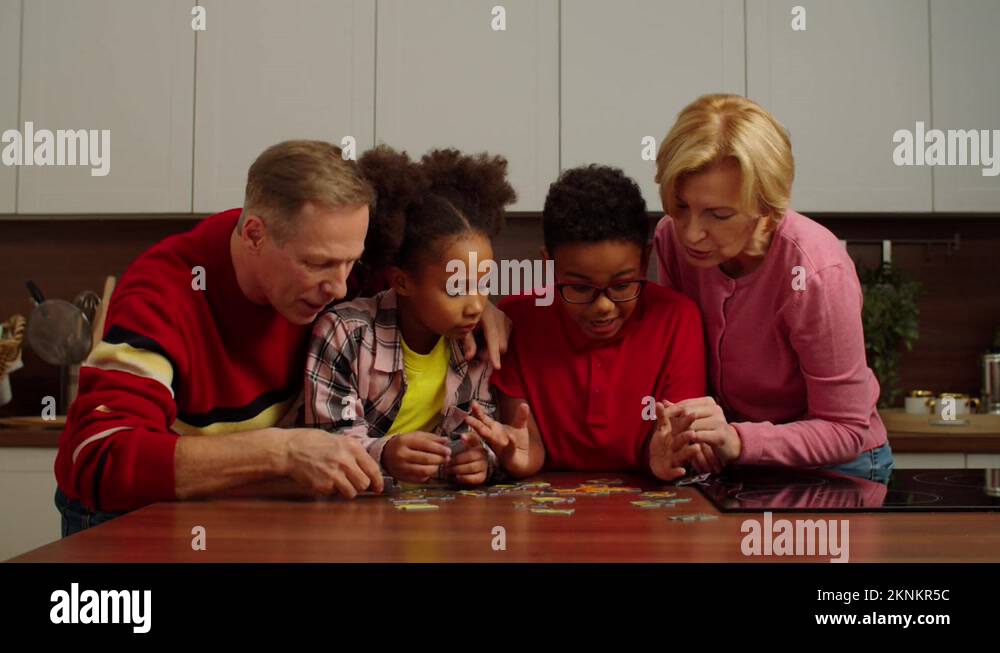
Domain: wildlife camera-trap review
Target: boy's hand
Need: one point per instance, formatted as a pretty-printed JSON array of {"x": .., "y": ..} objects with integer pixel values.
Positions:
[
  {"x": 509, "y": 442},
  {"x": 471, "y": 466},
  {"x": 496, "y": 331},
  {"x": 669, "y": 447},
  {"x": 415, "y": 457}
]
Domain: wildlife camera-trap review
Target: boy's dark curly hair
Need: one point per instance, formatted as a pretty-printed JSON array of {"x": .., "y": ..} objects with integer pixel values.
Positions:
[
  {"x": 591, "y": 204},
  {"x": 420, "y": 206}
]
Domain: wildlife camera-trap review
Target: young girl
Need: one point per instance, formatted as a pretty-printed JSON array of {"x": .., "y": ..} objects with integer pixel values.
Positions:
[{"x": 390, "y": 370}]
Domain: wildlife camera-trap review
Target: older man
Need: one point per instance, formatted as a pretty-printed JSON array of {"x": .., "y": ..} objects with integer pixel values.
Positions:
[{"x": 207, "y": 335}]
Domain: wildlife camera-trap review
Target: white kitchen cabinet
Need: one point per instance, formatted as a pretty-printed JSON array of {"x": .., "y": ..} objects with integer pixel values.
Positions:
[
  {"x": 27, "y": 500},
  {"x": 965, "y": 82},
  {"x": 10, "y": 57},
  {"x": 629, "y": 67},
  {"x": 273, "y": 71},
  {"x": 842, "y": 87},
  {"x": 122, "y": 65},
  {"x": 446, "y": 78}
]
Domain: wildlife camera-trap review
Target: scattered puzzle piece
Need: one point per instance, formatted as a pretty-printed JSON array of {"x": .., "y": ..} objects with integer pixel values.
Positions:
[
  {"x": 593, "y": 489},
  {"x": 552, "y": 500},
  {"x": 698, "y": 516},
  {"x": 658, "y": 495},
  {"x": 539, "y": 510},
  {"x": 647, "y": 505},
  {"x": 533, "y": 484},
  {"x": 416, "y": 507},
  {"x": 456, "y": 446}
]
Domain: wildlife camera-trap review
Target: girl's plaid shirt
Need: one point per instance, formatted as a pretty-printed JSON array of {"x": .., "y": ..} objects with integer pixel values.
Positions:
[{"x": 355, "y": 381}]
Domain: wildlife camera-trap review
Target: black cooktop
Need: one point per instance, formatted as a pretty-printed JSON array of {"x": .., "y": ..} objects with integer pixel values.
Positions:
[{"x": 759, "y": 489}]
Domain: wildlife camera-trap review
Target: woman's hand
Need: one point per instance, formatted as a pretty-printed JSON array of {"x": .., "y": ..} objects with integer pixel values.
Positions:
[{"x": 710, "y": 429}]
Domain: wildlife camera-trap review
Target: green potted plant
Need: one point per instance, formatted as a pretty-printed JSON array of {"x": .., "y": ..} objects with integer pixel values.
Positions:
[{"x": 890, "y": 320}]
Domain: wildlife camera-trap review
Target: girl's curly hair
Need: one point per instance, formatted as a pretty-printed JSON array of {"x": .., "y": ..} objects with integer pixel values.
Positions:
[{"x": 420, "y": 207}]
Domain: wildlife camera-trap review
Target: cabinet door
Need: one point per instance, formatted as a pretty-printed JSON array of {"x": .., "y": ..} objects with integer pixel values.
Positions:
[
  {"x": 446, "y": 78},
  {"x": 965, "y": 81},
  {"x": 27, "y": 500},
  {"x": 122, "y": 65},
  {"x": 10, "y": 66},
  {"x": 858, "y": 73},
  {"x": 629, "y": 67},
  {"x": 273, "y": 71}
]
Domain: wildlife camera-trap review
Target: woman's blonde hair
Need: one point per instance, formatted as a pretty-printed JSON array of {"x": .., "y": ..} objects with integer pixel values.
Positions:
[
  {"x": 716, "y": 127},
  {"x": 288, "y": 175}
]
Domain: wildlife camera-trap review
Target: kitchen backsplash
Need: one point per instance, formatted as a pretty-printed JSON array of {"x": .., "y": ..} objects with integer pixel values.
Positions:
[{"x": 959, "y": 309}]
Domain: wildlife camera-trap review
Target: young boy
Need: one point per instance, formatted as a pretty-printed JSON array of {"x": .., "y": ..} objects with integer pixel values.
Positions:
[{"x": 580, "y": 376}]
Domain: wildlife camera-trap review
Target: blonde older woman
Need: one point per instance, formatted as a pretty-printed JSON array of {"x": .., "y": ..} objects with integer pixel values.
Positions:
[{"x": 781, "y": 303}]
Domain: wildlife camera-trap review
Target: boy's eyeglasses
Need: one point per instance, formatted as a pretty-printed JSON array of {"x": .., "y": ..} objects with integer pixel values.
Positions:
[{"x": 585, "y": 293}]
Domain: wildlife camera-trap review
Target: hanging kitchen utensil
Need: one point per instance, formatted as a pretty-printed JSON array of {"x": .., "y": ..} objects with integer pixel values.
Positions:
[
  {"x": 88, "y": 301},
  {"x": 58, "y": 331},
  {"x": 60, "y": 334}
]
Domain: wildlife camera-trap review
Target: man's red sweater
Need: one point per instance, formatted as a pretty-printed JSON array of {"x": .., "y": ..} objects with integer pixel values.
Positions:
[{"x": 175, "y": 360}]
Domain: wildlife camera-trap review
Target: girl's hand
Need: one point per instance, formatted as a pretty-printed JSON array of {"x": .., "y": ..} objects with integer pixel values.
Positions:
[
  {"x": 509, "y": 442},
  {"x": 415, "y": 457},
  {"x": 496, "y": 331},
  {"x": 711, "y": 429},
  {"x": 471, "y": 466}
]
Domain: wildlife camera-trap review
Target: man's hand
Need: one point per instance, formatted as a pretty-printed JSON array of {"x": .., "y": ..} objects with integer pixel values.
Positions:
[
  {"x": 328, "y": 463},
  {"x": 471, "y": 466},
  {"x": 415, "y": 457},
  {"x": 511, "y": 443},
  {"x": 496, "y": 331}
]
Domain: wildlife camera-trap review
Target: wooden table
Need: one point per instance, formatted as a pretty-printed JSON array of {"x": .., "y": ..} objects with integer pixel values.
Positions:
[{"x": 603, "y": 529}]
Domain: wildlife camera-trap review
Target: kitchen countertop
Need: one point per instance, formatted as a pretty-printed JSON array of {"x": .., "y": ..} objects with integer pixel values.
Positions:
[
  {"x": 31, "y": 432},
  {"x": 915, "y": 434},
  {"x": 907, "y": 433}
]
